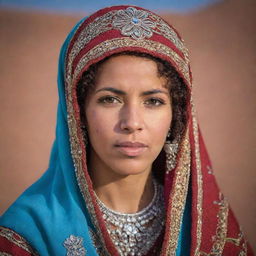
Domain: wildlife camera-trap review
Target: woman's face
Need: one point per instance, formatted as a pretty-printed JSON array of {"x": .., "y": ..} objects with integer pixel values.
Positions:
[{"x": 128, "y": 115}]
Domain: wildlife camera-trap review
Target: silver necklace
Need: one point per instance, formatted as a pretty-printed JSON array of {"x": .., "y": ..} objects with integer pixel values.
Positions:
[{"x": 136, "y": 233}]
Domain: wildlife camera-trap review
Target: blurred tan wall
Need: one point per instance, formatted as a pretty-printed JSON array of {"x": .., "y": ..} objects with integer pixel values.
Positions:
[{"x": 222, "y": 42}]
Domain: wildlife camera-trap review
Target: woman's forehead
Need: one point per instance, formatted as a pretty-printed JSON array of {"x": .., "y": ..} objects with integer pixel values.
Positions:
[
  {"x": 124, "y": 64},
  {"x": 130, "y": 73}
]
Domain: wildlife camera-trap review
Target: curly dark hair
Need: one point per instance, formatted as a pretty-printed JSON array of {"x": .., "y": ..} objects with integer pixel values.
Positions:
[{"x": 178, "y": 91}]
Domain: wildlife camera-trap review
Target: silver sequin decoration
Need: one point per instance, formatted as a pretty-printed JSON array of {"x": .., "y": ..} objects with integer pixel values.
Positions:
[{"x": 74, "y": 246}]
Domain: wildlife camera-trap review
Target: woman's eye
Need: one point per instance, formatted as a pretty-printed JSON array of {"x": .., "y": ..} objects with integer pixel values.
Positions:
[
  {"x": 109, "y": 100},
  {"x": 154, "y": 102}
]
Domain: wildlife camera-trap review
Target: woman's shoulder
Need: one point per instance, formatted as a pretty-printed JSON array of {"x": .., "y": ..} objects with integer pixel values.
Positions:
[{"x": 11, "y": 243}]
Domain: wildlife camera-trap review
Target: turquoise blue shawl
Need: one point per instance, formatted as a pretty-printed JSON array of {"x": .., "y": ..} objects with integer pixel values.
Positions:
[{"x": 52, "y": 209}]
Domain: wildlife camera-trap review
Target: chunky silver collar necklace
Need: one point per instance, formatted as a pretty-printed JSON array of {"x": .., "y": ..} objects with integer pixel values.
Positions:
[{"x": 135, "y": 233}]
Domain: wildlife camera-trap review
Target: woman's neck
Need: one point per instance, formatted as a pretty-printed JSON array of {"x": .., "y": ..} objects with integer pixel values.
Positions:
[{"x": 124, "y": 194}]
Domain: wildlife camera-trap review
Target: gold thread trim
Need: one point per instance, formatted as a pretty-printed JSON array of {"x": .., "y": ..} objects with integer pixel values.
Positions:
[
  {"x": 199, "y": 180},
  {"x": 244, "y": 250},
  {"x": 220, "y": 239},
  {"x": 91, "y": 31},
  {"x": 221, "y": 231},
  {"x": 164, "y": 29},
  {"x": 16, "y": 239},
  {"x": 96, "y": 242},
  {"x": 179, "y": 196},
  {"x": 104, "y": 23},
  {"x": 117, "y": 43}
]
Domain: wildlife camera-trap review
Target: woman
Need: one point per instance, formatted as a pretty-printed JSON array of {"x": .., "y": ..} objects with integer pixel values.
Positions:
[{"x": 129, "y": 173}]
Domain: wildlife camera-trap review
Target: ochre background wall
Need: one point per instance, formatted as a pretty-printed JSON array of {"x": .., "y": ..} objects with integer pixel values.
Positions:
[{"x": 222, "y": 42}]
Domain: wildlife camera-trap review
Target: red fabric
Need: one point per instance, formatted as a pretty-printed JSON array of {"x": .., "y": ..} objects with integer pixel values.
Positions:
[{"x": 6, "y": 246}]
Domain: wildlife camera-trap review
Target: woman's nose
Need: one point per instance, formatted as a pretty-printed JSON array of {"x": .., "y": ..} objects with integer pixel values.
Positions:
[{"x": 131, "y": 119}]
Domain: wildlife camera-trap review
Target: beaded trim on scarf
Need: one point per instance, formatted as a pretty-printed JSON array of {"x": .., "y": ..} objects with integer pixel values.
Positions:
[
  {"x": 17, "y": 240},
  {"x": 117, "y": 43},
  {"x": 199, "y": 180},
  {"x": 178, "y": 198}
]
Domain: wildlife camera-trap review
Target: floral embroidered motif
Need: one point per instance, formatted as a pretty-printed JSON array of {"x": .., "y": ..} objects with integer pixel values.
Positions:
[
  {"x": 134, "y": 23},
  {"x": 74, "y": 246}
]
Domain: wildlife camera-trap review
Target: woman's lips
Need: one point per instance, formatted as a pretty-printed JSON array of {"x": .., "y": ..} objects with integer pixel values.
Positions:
[{"x": 131, "y": 148}]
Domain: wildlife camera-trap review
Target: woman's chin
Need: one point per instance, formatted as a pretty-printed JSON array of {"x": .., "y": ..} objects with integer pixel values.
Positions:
[{"x": 131, "y": 169}]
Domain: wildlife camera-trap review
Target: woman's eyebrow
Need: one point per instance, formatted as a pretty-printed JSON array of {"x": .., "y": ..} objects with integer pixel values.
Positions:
[
  {"x": 154, "y": 91},
  {"x": 111, "y": 89},
  {"x": 120, "y": 92}
]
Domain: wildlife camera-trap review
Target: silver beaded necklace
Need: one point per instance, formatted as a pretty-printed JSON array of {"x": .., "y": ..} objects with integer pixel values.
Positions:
[{"x": 135, "y": 233}]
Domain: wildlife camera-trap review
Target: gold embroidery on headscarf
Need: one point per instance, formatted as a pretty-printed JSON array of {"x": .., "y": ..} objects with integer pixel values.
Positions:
[
  {"x": 17, "y": 240},
  {"x": 239, "y": 241},
  {"x": 221, "y": 231},
  {"x": 220, "y": 239},
  {"x": 235, "y": 241},
  {"x": 243, "y": 252},
  {"x": 117, "y": 43},
  {"x": 104, "y": 23},
  {"x": 94, "y": 29},
  {"x": 179, "y": 195},
  {"x": 199, "y": 180},
  {"x": 168, "y": 32}
]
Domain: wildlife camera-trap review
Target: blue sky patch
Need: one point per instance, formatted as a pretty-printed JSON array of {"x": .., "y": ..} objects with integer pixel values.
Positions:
[{"x": 89, "y": 6}]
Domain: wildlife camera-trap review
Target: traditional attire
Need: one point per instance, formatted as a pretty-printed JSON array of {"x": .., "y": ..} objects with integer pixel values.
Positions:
[{"x": 60, "y": 214}]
